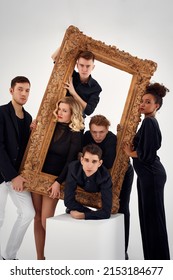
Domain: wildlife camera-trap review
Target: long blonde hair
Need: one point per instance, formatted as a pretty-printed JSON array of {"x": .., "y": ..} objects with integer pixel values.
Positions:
[{"x": 76, "y": 121}]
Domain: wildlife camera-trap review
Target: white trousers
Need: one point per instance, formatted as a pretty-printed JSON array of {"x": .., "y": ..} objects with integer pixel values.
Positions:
[{"x": 25, "y": 214}]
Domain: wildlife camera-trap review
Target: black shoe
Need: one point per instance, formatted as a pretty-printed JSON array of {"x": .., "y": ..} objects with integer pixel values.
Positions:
[
  {"x": 10, "y": 260},
  {"x": 126, "y": 256},
  {"x": 67, "y": 211}
]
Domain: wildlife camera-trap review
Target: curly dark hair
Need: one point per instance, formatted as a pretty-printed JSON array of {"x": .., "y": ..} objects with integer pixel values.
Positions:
[{"x": 158, "y": 91}]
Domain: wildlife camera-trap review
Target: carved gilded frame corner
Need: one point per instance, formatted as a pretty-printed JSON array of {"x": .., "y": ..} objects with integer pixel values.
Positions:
[{"x": 141, "y": 71}]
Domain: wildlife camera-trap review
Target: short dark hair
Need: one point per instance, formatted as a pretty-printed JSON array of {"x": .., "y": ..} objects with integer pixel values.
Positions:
[
  {"x": 19, "y": 79},
  {"x": 92, "y": 149},
  {"x": 86, "y": 54}
]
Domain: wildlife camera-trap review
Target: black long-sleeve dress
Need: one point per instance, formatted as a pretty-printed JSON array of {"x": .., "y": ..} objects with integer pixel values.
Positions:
[
  {"x": 64, "y": 148},
  {"x": 151, "y": 178}
]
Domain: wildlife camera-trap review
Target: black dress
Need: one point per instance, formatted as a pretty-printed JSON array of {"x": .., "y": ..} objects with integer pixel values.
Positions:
[
  {"x": 151, "y": 178},
  {"x": 64, "y": 148}
]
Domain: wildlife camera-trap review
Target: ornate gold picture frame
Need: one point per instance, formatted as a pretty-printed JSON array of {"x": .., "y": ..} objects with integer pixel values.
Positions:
[{"x": 141, "y": 70}]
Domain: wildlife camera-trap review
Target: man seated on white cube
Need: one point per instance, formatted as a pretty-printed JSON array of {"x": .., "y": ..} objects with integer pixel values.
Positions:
[{"x": 89, "y": 174}]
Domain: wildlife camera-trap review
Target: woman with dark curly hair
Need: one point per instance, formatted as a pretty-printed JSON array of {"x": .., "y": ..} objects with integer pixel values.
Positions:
[{"x": 151, "y": 176}]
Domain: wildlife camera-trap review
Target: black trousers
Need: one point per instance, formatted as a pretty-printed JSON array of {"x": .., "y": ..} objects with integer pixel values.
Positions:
[
  {"x": 150, "y": 186},
  {"x": 125, "y": 200}
]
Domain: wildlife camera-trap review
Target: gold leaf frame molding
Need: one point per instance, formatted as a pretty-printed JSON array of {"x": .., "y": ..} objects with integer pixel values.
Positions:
[{"x": 141, "y": 70}]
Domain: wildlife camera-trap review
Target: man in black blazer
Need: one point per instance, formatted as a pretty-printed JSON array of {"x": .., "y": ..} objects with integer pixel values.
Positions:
[
  {"x": 89, "y": 174},
  {"x": 14, "y": 134}
]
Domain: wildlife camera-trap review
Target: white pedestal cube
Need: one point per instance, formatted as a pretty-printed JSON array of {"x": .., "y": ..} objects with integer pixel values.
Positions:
[{"x": 72, "y": 239}]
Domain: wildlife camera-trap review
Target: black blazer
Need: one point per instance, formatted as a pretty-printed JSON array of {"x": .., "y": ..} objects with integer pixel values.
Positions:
[{"x": 9, "y": 141}]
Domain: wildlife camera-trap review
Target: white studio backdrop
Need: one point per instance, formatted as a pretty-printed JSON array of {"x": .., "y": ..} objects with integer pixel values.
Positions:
[{"x": 32, "y": 30}]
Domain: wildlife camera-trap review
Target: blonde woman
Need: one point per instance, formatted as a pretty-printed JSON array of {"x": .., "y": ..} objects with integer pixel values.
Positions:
[{"x": 64, "y": 148}]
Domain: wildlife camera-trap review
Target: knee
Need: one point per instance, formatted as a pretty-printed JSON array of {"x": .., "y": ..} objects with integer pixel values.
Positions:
[
  {"x": 39, "y": 220},
  {"x": 32, "y": 214},
  {"x": 29, "y": 214},
  {"x": 37, "y": 216}
]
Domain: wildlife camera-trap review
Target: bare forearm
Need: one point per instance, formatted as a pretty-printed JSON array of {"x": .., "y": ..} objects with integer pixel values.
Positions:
[{"x": 128, "y": 149}]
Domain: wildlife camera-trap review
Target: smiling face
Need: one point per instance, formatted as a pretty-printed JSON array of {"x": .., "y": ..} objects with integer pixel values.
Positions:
[
  {"x": 64, "y": 113},
  {"x": 90, "y": 163},
  {"x": 20, "y": 93},
  {"x": 148, "y": 105},
  {"x": 85, "y": 68}
]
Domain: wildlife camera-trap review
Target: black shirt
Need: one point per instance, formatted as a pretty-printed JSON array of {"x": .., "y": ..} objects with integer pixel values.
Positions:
[
  {"x": 89, "y": 92},
  {"x": 108, "y": 146},
  {"x": 23, "y": 139},
  {"x": 64, "y": 148},
  {"x": 146, "y": 143},
  {"x": 100, "y": 181}
]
